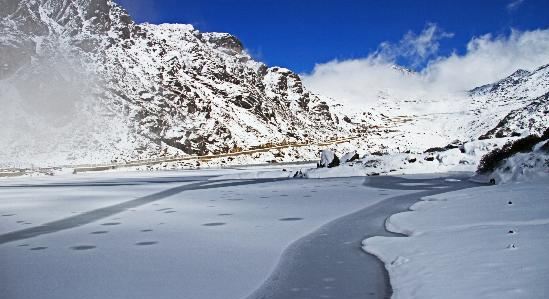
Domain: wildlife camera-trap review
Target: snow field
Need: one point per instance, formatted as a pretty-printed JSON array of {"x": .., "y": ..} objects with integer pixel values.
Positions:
[{"x": 486, "y": 242}]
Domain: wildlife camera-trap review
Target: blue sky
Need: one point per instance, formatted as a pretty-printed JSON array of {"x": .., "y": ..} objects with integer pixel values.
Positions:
[{"x": 300, "y": 34}]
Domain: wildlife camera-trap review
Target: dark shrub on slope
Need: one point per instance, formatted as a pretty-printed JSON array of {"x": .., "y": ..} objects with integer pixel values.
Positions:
[{"x": 494, "y": 158}]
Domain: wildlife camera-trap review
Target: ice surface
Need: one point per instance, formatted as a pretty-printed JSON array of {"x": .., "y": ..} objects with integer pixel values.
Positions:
[{"x": 220, "y": 242}]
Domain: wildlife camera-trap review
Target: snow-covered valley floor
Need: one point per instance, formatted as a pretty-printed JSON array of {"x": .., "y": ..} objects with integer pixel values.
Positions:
[{"x": 230, "y": 234}]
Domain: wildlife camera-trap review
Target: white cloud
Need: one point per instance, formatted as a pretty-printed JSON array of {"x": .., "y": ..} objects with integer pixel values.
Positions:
[
  {"x": 487, "y": 59},
  {"x": 415, "y": 47},
  {"x": 513, "y": 5}
]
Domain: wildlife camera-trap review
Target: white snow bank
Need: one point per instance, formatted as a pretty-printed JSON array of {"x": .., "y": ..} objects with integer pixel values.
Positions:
[
  {"x": 256, "y": 175},
  {"x": 486, "y": 242},
  {"x": 344, "y": 170},
  {"x": 449, "y": 161}
]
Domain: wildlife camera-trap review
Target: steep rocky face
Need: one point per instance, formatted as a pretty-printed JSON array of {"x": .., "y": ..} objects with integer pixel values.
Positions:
[{"x": 170, "y": 88}]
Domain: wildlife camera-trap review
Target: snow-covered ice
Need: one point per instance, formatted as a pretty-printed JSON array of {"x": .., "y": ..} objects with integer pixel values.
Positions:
[{"x": 221, "y": 240}]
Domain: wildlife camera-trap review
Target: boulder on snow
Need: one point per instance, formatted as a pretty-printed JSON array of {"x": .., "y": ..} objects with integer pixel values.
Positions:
[
  {"x": 349, "y": 157},
  {"x": 328, "y": 159},
  {"x": 299, "y": 174}
]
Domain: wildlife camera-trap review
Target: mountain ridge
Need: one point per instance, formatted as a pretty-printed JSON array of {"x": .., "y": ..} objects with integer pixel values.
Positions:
[
  {"x": 180, "y": 91},
  {"x": 83, "y": 83}
]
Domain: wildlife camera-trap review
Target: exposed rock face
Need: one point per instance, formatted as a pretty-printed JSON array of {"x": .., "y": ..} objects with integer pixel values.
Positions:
[
  {"x": 173, "y": 89},
  {"x": 350, "y": 157},
  {"x": 533, "y": 118}
]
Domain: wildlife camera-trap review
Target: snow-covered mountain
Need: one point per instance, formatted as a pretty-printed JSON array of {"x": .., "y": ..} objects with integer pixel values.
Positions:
[
  {"x": 81, "y": 82},
  {"x": 523, "y": 96},
  {"x": 159, "y": 89},
  {"x": 516, "y": 105}
]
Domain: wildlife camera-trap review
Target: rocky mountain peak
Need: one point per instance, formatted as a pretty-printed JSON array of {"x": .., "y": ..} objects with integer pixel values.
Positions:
[
  {"x": 225, "y": 41},
  {"x": 171, "y": 88}
]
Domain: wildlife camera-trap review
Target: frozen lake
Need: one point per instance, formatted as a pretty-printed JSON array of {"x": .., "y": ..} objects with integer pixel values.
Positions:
[{"x": 183, "y": 235}]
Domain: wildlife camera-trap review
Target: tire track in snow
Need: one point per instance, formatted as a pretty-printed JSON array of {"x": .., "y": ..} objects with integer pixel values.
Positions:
[{"x": 98, "y": 214}]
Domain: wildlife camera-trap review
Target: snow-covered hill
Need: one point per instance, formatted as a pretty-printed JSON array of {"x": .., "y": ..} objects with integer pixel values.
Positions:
[
  {"x": 156, "y": 89},
  {"x": 514, "y": 106}
]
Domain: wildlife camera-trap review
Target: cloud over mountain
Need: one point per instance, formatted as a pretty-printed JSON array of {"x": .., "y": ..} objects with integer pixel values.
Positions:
[{"x": 487, "y": 58}]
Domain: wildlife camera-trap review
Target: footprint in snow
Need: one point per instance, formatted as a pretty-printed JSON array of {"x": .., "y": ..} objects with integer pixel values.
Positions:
[
  {"x": 83, "y": 247},
  {"x": 38, "y": 248},
  {"x": 146, "y": 243},
  {"x": 100, "y": 232},
  {"x": 214, "y": 224}
]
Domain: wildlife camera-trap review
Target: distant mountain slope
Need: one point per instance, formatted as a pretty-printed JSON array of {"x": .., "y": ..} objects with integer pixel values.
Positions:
[
  {"x": 516, "y": 105},
  {"x": 159, "y": 89},
  {"x": 523, "y": 96}
]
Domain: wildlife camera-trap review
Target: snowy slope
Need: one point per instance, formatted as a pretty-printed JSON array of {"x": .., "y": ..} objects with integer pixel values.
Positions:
[
  {"x": 516, "y": 105},
  {"x": 486, "y": 242}
]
